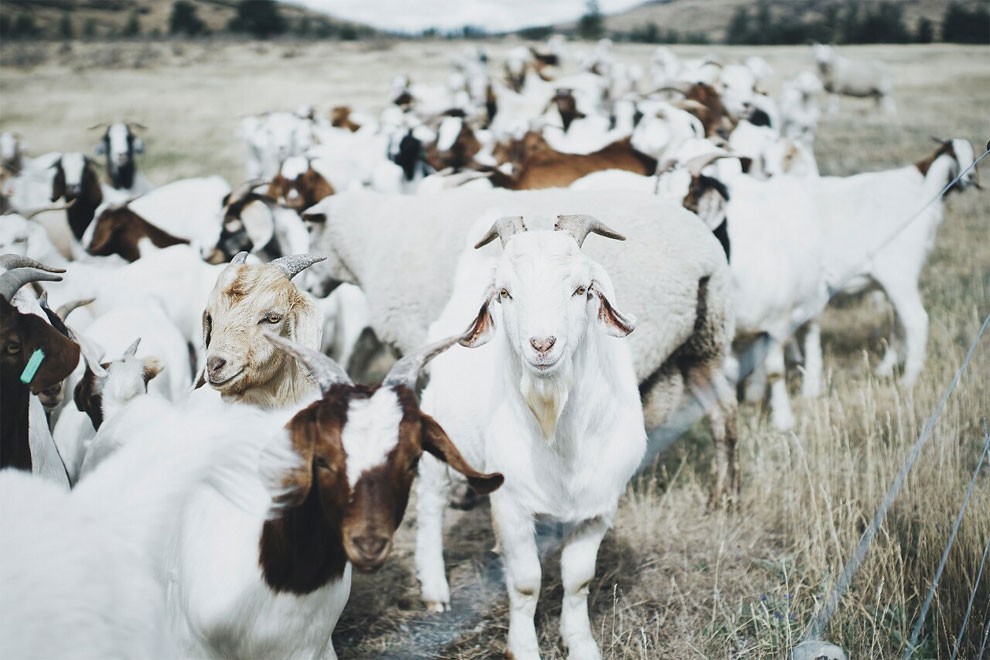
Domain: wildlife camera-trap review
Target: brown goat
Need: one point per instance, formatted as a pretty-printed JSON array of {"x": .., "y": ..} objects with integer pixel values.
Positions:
[
  {"x": 118, "y": 230},
  {"x": 539, "y": 166}
]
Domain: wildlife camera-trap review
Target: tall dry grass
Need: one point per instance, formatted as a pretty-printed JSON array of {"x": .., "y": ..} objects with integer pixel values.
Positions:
[{"x": 674, "y": 580}]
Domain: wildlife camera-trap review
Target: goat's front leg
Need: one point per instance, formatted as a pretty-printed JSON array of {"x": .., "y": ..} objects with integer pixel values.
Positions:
[
  {"x": 577, "y": 569},
  {"x": 514, "y": 530},
  {"x": 431, "y": 501}
]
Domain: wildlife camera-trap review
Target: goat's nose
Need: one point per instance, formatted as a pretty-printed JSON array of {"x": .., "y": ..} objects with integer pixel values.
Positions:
[
  {"x": 371, "y": 546},
  {"x": 542, "y": 344},
  {"x": 215, "y": 364}
]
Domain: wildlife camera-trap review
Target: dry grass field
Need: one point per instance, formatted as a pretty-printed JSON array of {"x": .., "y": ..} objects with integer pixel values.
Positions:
[{"x": 674, "y": 580}]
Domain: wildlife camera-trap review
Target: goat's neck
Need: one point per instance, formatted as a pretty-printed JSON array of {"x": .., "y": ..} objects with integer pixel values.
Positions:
[
  {"x": 80, "y": 214},
  {"x": 15, "y": 448},
  {"x": 290, "y": 388}
]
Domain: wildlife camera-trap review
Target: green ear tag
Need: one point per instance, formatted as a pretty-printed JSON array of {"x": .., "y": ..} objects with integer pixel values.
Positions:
[{"x": 31, "y": 368}]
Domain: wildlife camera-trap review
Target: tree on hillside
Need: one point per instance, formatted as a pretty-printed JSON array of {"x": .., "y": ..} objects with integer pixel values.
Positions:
[
  {"x": 925, "y": 32},
  {"x": 184, "y": 19},
  {"x": 260, "y": 18},
  {"x": 592, "y": 25},
  {"x": 962, "y": 26},
  {"x": 65, "y": 26},
  {"x": 133, "y": 26}
]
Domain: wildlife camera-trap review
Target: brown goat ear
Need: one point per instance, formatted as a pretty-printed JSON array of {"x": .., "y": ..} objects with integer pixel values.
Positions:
[
  {"x": 616, "y": 323},
  {"x": 482, "y": 328},
  {"x": 436, "y": 441},
  {"x": 152, "y": 367}
]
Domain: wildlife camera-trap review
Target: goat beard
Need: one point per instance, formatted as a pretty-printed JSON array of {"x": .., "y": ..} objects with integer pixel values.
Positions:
[{"x": 546, "y": 398}]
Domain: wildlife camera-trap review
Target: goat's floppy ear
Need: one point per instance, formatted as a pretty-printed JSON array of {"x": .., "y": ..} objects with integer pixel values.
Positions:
[
  {"x": 100, "y": 149},
  {"x": 152, "y": 367},
  {"x": 138, "y": 145},
  {"x": 481, "y": 329},
  {"x": 436, "y": 441},
  {"x": 616, "y": 323}
]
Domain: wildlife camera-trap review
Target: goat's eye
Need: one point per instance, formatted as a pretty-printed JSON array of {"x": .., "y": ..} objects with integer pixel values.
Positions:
[
  {"x": 580, "y": 291},
  {"x": 13, "y": 348},
  {"x": 322, "y": 463},
  {"x": 504, "y": 293},
  {"x": 272, "y": 317}
]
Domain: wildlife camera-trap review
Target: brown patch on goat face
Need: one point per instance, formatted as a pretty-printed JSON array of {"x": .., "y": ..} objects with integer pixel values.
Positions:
[
  {"x": 925, "y": 163},
  {"x": 310, "y": 188},
  {"x": 340, "y": 116},
  {"x": 119, "y": 230}
]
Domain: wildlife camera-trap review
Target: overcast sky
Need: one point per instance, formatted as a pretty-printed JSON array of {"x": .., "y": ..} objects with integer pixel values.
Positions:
[{"x": 491, "y": 15}]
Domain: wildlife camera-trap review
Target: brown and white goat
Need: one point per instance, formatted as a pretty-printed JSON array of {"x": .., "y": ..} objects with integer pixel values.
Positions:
[
  {"x": 246, "y": 300},
  {"x": 77, "y": 181},
  {"x": 297, "y": 185},
  {"x": 540, "y": 166},
  {"x": 119, "y": 230}
]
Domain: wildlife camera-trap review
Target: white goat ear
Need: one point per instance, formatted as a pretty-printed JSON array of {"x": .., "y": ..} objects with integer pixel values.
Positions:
[
  {"x": 100, "y": 149},
  {"x": 259, "y": 222},
  {"x": 616, "y": 323},
  {"x": 482, "y": 328},
  {"x": 138, "y": 145}
]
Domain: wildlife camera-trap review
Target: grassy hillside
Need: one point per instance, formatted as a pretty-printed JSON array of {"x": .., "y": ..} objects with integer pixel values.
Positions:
[{"x": 102, "y": 18}]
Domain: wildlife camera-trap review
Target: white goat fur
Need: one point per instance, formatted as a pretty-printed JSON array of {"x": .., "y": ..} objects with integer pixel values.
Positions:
[
  {"x": 568, "y": 455},
  {"x": 875, "y": 236},
  {"x": 657, "y": 274},
  {"x": 109, "y": 536}
]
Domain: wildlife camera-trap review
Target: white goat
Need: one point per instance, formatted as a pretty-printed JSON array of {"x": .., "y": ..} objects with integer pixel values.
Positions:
[
  {"x": 878, "y": 233},
  {"x": 856, "y": 78},
  {"x": 552, "y": 402}
]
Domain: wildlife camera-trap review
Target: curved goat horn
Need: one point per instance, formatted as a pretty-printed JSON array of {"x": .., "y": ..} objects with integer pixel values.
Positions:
[
  {"x": 91, "y": 353},
  {"x": 13, "y": 280},
  {"x": 239, "y": 258},
  {"x": 324, "y": 370},
  {"x": 698, "y": 163},
  {"x": 63, "y": 311},
  {"x": 406, "y": 370},
  {"x": 133, "y": 124},
  {"x": 579, "y": 226},
  {"x": 132, "y": 349},
  {"x": 96, "y": 126},
  {"x": 12, "y": 261},
  {"x": 503, "y": 229},
  {"x": 295, "y": 264}
]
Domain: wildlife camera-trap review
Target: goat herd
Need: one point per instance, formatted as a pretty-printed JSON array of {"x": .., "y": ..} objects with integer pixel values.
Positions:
[{"x": 196, "y": 472}]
